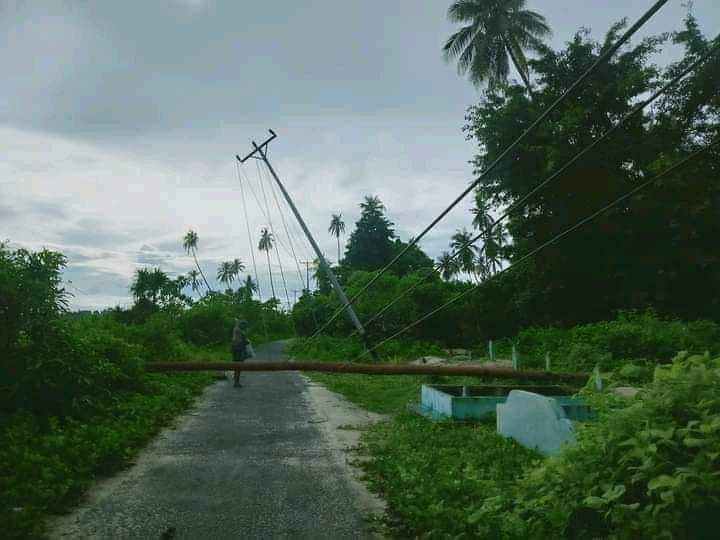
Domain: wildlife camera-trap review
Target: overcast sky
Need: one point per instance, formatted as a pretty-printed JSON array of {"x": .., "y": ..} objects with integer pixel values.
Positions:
[{"x": 119, "y": 122}]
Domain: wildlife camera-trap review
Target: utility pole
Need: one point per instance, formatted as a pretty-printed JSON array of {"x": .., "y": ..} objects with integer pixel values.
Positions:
[
  {"x": 324, "y": 264},
  {"x": 307, "y": 273}
]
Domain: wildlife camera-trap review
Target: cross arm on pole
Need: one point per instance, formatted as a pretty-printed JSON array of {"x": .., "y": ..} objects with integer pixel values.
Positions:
[{"x": 257, "y": 148}]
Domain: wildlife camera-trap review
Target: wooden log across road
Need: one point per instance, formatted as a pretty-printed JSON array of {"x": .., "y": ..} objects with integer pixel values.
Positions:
[{"x": 371, "y": 369}]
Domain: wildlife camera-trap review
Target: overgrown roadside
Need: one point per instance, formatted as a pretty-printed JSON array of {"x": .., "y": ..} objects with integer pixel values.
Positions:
[
  {"x": 75, "y": 400},
  {"x": 646, "y": 467},
  {"x": 50, "y": 462}
]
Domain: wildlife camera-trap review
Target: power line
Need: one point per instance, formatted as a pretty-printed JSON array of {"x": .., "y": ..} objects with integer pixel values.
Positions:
[
  {"x": 290, "y": 241},
  {"x": 553, "y": 240},
  {"x": 601, "y": 59},
  {"x": 247, "y": 226},
  {"x": 272, "y": 229},
  {"x": 260, "y": 207},
  {"x": 287, "y": 232},
  {"x": 518, "y": 204}
]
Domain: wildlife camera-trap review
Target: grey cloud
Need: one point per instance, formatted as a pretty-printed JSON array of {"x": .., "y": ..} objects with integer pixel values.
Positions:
[
  {"x": 168, "y": 92},
  {"x": 8, "y": 212},
  {"x": 152, "y": 256},
  {"x": 78, "y": 258},
  {"x": 96, "y": 233},
  {"x": 38, "y": 209},
  {"x": 88, "y": 282}
]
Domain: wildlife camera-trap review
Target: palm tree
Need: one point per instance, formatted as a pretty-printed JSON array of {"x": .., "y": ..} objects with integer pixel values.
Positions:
[
  {"x": 492, "y": 249},
  {"x": 448, "y": 266},
  {"x": 190, "y": 242},
  {"x": 237, "y": 267},
  {"x": 493, "y": 234},
  {"x": 337, "y": 227},
  {"x": 372, "y": 205},
  {"x": 194, "y": 280},
  {"x": 148, "y": 284},
  {"x": 497, "y": 29},
  {"x": 229, "y": 271},
  {"x": 225, "y": 273},
  {"x": 249, "y": 287},
  {"x": 482, "y": 220},
  {"x": 266, "y": 244},
  {"x": 482, "y": 266},
  {"x": 466, "y": 257}
]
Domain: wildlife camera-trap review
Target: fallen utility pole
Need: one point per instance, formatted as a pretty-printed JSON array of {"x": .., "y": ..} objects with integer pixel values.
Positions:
[
  {"x": 260, "y": 150},
  {"x": 371, "y": 369}
]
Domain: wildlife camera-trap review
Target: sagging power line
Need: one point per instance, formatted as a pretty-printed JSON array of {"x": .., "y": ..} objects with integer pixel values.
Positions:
[
  {"x": 259, "y": 153},
  {"x": 512, "y": 146},
  {"x": 544, "y": 245},
  {"x": 520, "y": 203}
]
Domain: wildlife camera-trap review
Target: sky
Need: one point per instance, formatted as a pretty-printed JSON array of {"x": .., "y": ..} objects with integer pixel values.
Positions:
[{"x": 119, "y": 123}]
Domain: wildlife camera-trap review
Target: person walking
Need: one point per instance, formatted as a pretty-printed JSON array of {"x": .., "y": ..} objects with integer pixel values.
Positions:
[{"x": 241, "y": 347}]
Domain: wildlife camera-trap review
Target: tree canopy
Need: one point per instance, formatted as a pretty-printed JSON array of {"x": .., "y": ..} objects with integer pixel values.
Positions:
[{"x": 655, "y": 250}]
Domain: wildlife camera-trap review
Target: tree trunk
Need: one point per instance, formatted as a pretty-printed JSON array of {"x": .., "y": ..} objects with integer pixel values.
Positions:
[
  {"x": 522, "y": 73},
  {"x": 282, "y": 275},
  {"x": 272, "y": 285},
  {"x": 338, "y": 242},
  {"x": 200, "y": 270}
]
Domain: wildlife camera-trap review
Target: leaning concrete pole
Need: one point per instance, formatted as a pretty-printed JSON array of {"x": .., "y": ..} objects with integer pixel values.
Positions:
[{"x": 323, "y": 262}]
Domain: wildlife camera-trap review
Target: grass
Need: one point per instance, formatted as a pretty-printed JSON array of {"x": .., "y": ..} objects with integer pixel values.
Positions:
[
  {"x": 436, "y": 476},
  {"x": 377, "y": 393}
]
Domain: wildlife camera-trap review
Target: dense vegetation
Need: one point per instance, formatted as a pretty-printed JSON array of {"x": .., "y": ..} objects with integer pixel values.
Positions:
[
  {"x": 655, "y": 251},
  {"x": 626, "y": 292},
  {"x": 646, "y": 467},
  {"x": 75, "y": 401}
]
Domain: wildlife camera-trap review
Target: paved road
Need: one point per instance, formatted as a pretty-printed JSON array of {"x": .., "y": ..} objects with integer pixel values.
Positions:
[{"x": 246, "y": 463}]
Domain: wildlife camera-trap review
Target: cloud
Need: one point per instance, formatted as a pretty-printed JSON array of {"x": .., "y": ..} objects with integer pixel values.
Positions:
[
  {"x": 119, "y": 123},
  {"x": 113, "y": 212}
]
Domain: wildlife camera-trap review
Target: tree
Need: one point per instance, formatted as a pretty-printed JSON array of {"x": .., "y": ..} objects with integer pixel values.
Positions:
[
  {"x": 414, "y": 258},
  {"x": 266, "y": 244},
  {"x": 147, "y": 284},
  {"x": 497, "y": 29},
  {"x": 490, "y": 257},
  {"x": 492, "y": 248},
  {"x": 322, "y": 281},
  {"x": 466, "y": 253},
  {"x": 249, "y": 288},
  {"x": 448, "y": 266},
  {"x": 194, "y": 280},
  {"x": 371, "y": 243},
  {"x": 654, "y": 250},
  {"x": 228, "y": 271},
  {"x": 225, "y": 273},
  {"x": 190, "y": 242},
  {"x": 237, "y": 267},
  {"x": 337, "y": 227},
  {"x": 153, "y": 289}
]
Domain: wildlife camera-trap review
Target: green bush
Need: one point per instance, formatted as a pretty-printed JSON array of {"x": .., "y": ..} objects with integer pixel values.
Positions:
[
  {"x": 631, "y": 336},
  {"x": 210, "y": 321},
  {"x": 159, "y": 338},
  {"x": 644, "y": 470},
  {"x": 327, "y": 348}
]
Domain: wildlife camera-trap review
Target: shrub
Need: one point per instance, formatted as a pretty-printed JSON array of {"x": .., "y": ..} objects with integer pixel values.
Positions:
[
  {"x": 631, "y": 336},
  {"x": 159, "y": 338},
  {"x": 328, "y": 348},
  {"x": 645, "y": 470}
]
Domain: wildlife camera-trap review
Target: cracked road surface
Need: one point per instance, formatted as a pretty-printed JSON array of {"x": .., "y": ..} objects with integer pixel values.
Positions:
[{"x": 246, "y": 462}]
